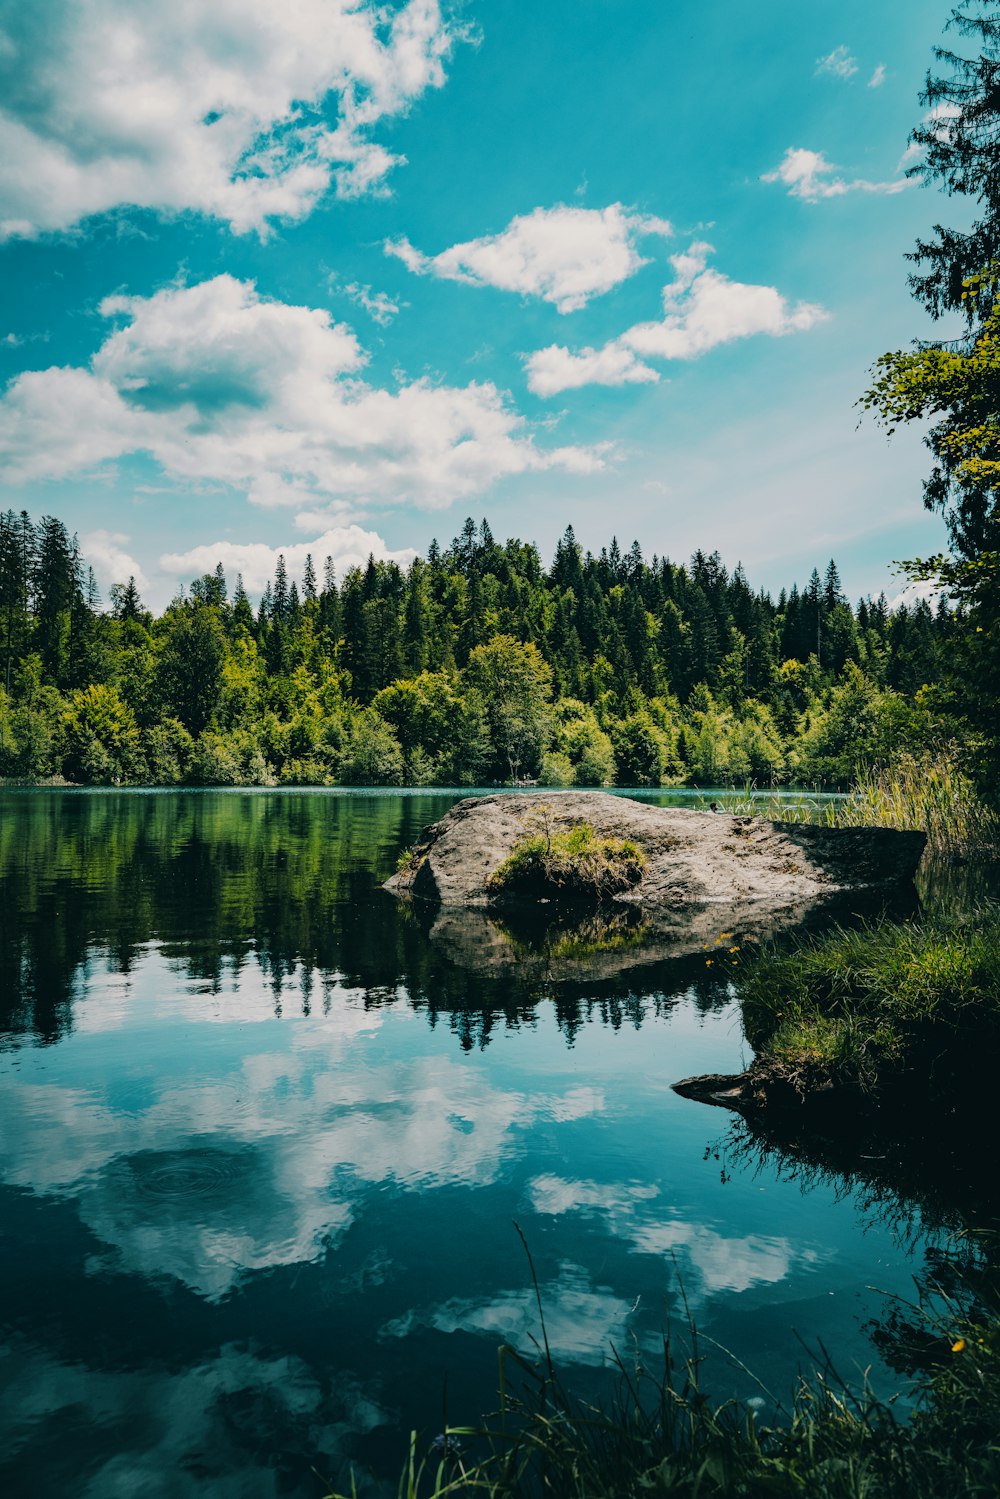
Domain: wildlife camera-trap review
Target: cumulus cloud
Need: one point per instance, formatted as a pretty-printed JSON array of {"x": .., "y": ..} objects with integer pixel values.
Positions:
[
  {"x": 713, "y": 1261},
  {"x": 701, "y": 309},
  {"x": 878, "y": 77},
  {"x": 563, "y": 255},
  {"x": 266, "y": 1162},
  {"x": 838, "y": 64},
  {"x": 582, "y": 1324},
  {"x": 349, "y": 546},
  {"x": 246, "y": 112},
  {"x": 106, "y": 554},
  {"x": 220, "y": 385},
  {"x": 808, "y": 175},
  {"x": 556, "y": 368}
]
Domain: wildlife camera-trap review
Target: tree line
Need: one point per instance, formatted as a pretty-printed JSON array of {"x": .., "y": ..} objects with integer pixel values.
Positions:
[{"x": 475, "y": 664}]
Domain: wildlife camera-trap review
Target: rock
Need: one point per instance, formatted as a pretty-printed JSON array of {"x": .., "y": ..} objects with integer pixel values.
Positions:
[
  {"x": 728, "y": 1090},
  {"x": 692, "y": 858}
]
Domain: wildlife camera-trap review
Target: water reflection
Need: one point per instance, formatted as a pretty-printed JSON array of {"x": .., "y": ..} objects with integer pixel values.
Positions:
[
  {"x": 264, "y": 1133},
  {"x": 265, "y": 1163},
  {"x": 232, "y": 887},
  {"x": 182, "y": 1433}
]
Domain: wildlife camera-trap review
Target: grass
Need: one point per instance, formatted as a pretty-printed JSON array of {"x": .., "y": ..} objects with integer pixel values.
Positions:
[
  {"x": 932, "y": 793},
  {"x": 879, "y": 1006},
  {"x": 661, "y": 1437},
  {"x": 570, "y": 863}
]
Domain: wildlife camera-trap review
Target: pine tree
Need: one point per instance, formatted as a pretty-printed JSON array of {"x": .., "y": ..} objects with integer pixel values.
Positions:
[
  {"x": 279, "y": 597},
  {"x": 959, "y": 137}
]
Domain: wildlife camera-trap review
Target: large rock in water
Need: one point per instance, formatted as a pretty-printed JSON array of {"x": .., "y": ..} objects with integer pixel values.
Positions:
[{"x": 692, "y": 858}]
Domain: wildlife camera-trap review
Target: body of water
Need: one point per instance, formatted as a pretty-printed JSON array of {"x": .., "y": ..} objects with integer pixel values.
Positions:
[{"x": 263, "y": 1144}]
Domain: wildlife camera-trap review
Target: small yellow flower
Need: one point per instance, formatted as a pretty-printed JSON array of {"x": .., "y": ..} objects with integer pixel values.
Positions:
[
  {"x": 957, "y": 1347},
  {"x": 734, "y": 949},
  {"x": 708, "y": 962}
]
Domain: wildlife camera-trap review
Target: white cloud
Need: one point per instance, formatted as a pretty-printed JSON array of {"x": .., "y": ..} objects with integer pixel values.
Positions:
[
  {"x": 563, "y": 255},
  {"x": 581, "y": 1324},
  {"x": 380, "y": 307},
  {"x": 555, "y": 368},
  {"x": 713, "y": 1261},
  {"x": 878, "y": 77},
  {"x": 220, "y": 385},
  {"x": 221, "y": 108},
  {"x": 839, "y": 63},
  {"x": 701, "y": 309},
  {"x": 105, "y": 552},
  {"x": 808, "y": 175},
  {"x": 940, "y": 118},
  {"x": 349, "y": 546},
  {"x": 557, "y": 1194},
  {"x": 281, "y": 1192}
]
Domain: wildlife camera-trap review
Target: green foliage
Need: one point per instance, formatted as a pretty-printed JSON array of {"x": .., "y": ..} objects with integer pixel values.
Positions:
[
  {"x": 475, "y": 665},
  {"x": 232, "y": 759},
  {"x": 102, "y": 739},
  {"x": 515, "y": 684},
  {"x": 641, "y": 749},
  {"x": 191, "y": 665},
  {"x": 933, "y": 792},
  {"x": 582, "y": 745},
  {"x": 568, "y": 863},
  {"x": 372, "y": 755},
  {"x": 955, "y": 386}
]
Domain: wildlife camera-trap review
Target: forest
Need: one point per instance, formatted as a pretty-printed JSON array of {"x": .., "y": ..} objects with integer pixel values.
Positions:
[{"x": 474, "y": 665}]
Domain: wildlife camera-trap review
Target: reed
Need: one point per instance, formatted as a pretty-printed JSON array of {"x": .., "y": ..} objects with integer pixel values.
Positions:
[{"x": 931, "y": 792}]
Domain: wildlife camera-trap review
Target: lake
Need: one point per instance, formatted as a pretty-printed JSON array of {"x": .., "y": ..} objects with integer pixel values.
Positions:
[{"x": 264, "y": 1143}]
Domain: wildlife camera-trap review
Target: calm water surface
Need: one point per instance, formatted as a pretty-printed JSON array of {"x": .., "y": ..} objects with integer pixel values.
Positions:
[{"x": 263, "y": 1144}]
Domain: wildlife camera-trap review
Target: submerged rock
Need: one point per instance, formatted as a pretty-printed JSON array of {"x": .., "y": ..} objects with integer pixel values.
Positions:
[{"x": 691, "y": 858}]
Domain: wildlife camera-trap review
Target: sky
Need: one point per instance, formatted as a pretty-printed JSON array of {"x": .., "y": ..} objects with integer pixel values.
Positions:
[{"x": 329, "y": 277}]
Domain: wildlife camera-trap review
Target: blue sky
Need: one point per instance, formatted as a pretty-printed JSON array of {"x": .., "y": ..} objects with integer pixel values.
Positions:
[{"x": 325, "y": 277}]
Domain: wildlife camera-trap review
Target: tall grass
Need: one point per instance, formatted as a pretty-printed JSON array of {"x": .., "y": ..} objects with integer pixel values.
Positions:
[
  {"x": 661, "y": 1437},
  {"x": 932, "y": 793}
]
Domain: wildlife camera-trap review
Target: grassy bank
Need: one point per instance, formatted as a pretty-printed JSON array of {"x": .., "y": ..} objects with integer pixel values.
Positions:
[
  {"x": 933, "y": 793},
  {"x": 911, "y": 1006}
]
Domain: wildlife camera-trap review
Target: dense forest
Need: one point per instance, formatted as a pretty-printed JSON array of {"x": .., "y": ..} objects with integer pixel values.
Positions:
[{"x": 476, "y": 664}]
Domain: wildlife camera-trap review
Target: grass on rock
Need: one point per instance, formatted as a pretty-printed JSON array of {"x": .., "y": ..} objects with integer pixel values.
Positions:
[{"x": 572, "y": 863}]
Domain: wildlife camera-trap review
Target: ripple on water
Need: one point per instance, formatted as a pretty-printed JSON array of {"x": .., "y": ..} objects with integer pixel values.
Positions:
[{"x": 195, "y": 1172}]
